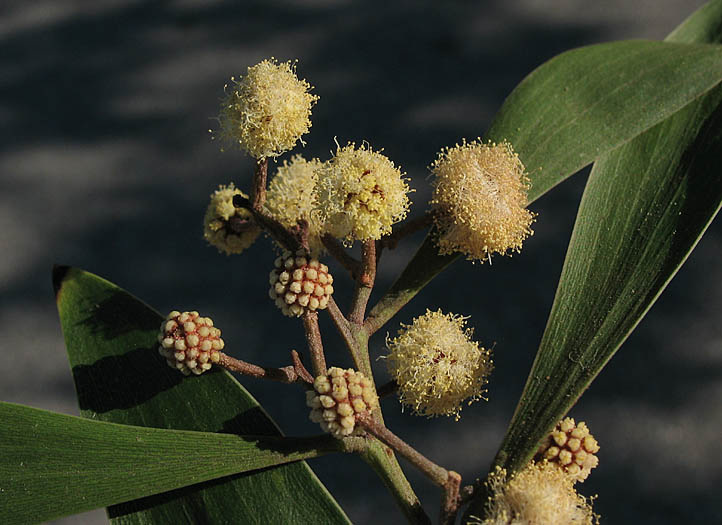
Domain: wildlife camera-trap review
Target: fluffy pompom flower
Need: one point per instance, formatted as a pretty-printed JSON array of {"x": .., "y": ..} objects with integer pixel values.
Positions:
[
  {"x": 290, "y": 198},
  {"x": 267, "y": 111},
  {"x": 189, "y": 342},
  {"x": 226, "y": 227},
  {"x": 360, "y": 194},
  {"x": 337, "y": 397},
  {"x": 571, "y": 447},
  {"x": 479, "y": 199},
  {"x": 538, "y": 495},
  {"x": 437, "y": 365}
]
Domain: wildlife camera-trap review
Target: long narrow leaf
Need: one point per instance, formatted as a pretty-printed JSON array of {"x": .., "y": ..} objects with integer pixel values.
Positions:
[
  {"x": 119, "y": 377},
  {"x": 571, "y": 110},
  {"x": 53, "y": 464},
  {"x": 644, "y": 208}
]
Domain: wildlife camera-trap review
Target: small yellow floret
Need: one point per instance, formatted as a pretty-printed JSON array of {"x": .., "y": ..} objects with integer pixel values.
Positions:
[
  {"x": 480, "y": 194},
  {"x": 360, "y": 194},
  {"x": 267, "y": 111},
  {"x": 538, "y": 495},
  {"x": 290, "y": 198},
  {"x": 437, "y": 365},
  {"x": 226, "y": 227}
]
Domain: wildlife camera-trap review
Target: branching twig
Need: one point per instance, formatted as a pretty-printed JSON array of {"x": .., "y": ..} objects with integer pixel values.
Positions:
[
  {"x": 434, "y": 472},
  {"x": 407, "y": 228},
  {"x": 287, "y": 374},
  {"x": 364, "y": 282},
  {"x": 450, "y": 499},
  {"x": 258, "y": 189},
  {"x": 336, "y": 249},
  {"x": 315, "y": 346}
]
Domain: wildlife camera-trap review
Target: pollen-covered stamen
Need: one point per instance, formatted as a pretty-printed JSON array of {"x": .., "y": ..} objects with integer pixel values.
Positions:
[
  {"x": 479, "y": 200},
  {"x": 299, "y": 284},
  {"x": 189, "y": 342},
  {"x": 360, "y": 194},
  {"x": 337, "y": 397},
  {"x": 267, "y": 111},
  {"x": 437, "y": 365},
  {"x": 571, "y": 447}
]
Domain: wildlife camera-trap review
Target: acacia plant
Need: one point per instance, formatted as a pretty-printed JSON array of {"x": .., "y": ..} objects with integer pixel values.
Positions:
[{"x": 186, "y": 442}]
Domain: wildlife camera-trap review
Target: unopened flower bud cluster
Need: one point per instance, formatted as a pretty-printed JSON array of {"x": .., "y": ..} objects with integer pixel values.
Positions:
[
  {"x": 300, "y": 284},
  {"x": 189, "y": 342},
  {"x": 572, "y": 448},
  {"x": 336, "y": 398}
]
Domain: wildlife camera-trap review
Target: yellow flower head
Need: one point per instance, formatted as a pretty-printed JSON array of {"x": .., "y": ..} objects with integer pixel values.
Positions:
[
  {"x": 267, "y": 111},
  {"x": 538, "y": 495},
  {"x": 480, "y": 194},
  {"x": 290, "y": 197},
  {"x": 226, "y": 227},
  {"x": 437, "y": 365},
  {"x": 360, "y": 194},
  {"x": 571, "y": 447}
]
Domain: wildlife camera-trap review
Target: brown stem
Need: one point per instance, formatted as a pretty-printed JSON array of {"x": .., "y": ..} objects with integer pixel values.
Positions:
[
  {"x": 336, "y": 249},
  {"x": 290, "y": 239},
  {"x": 407, "y": 228},
  {"x": 315, "y": 346},
  {"x": 258, "y": 189},
  {"x": 287, "y": 374},
  {"x": 364, "y": 282},
  {"x": 450, "y": 499},
  {"x": 434, "y": 472},
  {"x": 387, "y": 389}
]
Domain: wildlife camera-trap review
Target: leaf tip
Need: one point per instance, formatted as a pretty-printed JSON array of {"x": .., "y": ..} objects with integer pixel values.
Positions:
[{"x": 59, "y": 273}]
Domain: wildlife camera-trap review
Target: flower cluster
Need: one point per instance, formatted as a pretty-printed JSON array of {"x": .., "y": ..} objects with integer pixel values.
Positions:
[
  {"x": 479, "y": 200},
  {"x": 360, "y": 194},
  {"x": 437, "y": 365},
  {"x": 189, "y": 342},
  {"x": 291, "y": 198},
  {"x": 267, "y": 111},
  {"x": 571, "y": 447},
  {"x": 300, "y": 284},
  {"x": 539, "y": 494},
  {"x": 226, "y": 227},
  {"x": 336, "y": 398}
]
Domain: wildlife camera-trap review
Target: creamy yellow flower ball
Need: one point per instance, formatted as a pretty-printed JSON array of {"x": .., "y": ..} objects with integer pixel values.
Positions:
[
  {"x": 360, "y": 194},
  {"x": 437, "y": 365},
  {"x": 267, "y": 111},
  {"x": 226, "y": 227},
  {"x": 479, "y": 200},
  {"x": 290, "y": 197},
  {"x": 539, "y": 494}
]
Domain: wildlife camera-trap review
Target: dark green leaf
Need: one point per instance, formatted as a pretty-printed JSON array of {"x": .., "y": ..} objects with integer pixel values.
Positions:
[
  {"x": 572, "y": 109},
  {"x": 120, "y": 378},
  {"x": 53, "y": 464},
  {"x": 644, "y": 208}
]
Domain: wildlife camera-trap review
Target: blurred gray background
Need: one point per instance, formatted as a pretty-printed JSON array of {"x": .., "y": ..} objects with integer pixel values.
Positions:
[{"x": 106, "y": 163}]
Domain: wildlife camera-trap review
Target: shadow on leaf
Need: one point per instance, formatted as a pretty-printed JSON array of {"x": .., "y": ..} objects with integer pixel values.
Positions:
[{"x": 122, "y": 382}]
